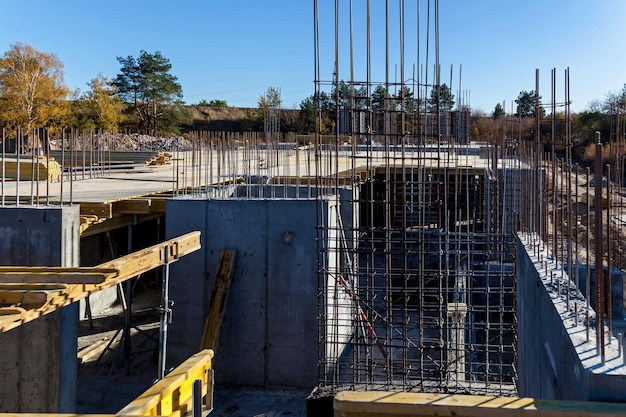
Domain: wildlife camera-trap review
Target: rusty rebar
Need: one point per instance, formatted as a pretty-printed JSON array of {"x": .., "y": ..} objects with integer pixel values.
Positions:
[{"x": 599, "y": 248}]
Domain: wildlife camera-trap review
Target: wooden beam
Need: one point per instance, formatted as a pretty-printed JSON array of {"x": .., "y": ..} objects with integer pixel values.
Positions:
[
  {"x": 104, "y": 210},
  {"x": 52, "y": 275},
  {"x": 127, "y": 266},
  {"x": 144, "y": 260},
  {"x": 11, "y": 311},
  {"x": 122, "y": 220},
  {"x": 392, "y": 404},
  {"x": 158, "y": 205},
  {"x": 132, "y": 206},
  {"x": 219, "y": 295},
  {"x": 28, "y": 294}
]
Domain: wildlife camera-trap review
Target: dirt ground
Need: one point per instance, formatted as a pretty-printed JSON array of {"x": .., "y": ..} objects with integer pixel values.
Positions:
[{"x": 105, "y": 386}]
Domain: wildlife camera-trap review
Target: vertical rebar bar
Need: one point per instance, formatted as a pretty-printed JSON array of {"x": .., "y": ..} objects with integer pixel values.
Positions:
[
  {"x": 599, "y": 249},
  {"x": 609, "y": 284}
]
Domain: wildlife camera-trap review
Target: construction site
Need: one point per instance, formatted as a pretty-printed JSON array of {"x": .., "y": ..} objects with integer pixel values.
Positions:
[{"x": 394, "y": 267}]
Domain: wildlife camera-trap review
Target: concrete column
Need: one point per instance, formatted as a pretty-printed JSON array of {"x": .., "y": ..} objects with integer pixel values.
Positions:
[
  {"x": 456, "y": 341},
  {"x": 38, "y": 361}
]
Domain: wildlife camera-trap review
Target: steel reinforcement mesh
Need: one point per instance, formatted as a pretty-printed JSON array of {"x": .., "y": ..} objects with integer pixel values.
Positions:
[{"x": 416, "y": 261}]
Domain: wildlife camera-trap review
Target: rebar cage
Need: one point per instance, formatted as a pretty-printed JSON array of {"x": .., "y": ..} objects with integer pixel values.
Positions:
[{"x": 417, "y": 287}]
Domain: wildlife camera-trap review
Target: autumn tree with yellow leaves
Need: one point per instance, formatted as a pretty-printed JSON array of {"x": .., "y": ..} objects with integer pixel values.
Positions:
[
  {"x": 32, "y": 91},
  {"x": 99, "y": 107}
]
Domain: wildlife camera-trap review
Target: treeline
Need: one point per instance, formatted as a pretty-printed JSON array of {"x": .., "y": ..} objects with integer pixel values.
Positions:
[
  {"x": 145, "y": 97},
  {"x": 606, "y": 116}
]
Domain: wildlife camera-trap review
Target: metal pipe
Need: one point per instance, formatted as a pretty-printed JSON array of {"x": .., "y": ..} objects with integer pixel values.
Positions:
[
  {"x": 197, "y": 398},
  {"x": 128, "y": 311},
  {"x": 165, "y": 310}
]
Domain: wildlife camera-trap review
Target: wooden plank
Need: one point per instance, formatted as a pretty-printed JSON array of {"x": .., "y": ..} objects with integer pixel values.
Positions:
[
  {"x": 38, "y": 169},
  {"x": 127, "y": 266},
  {"x": 28, "y": 294},
  {"x": 122, "y": 220},
  {"x": 96, "y": 209},
  {"x": 138, "y": 157},
  {"x": 144, "y": 260},
  {"x": 92, "y": 350},
  {"x": 391, "y": 404},
  {"x": 158, "y": 205},
  {"x": 10, "y": 311},
  {"x": 132, "y": 206},
  {"x": 55, "y": 275},
  {"x": 219, "y": 295}
]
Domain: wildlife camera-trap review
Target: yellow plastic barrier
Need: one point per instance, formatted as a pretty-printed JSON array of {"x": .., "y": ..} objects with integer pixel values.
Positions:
[
  {"x": 391, "y": 404},
  {"x": 172, "y": 396}
]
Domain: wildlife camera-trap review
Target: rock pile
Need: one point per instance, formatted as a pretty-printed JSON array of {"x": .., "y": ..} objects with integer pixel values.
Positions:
[
  {"x": 123, "y": 142},
  {"x": 137, "y": 142}
]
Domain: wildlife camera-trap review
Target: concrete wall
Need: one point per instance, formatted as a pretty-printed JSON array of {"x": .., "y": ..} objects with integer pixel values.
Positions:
[
  {"x": 554, "y": 361},
  {"x": 38, "y": 361},
  {"x": 269, "y": 333},
  {"x": 617, "y": 287}
]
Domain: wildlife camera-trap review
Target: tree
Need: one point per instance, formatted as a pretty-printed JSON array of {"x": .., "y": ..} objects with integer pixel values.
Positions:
[
  {"x": 446, "y": 98},
  {"x": 213, "y": 103},
  {"x": 270, "y": 99},
  {"x": 103, "y": 108},
  {"x": 306, "y": 117},
  {"x": 327, "y": 113},
  {"x": 269, "y": 109},
  {"x": 32, "y": 90},
  {"x": 378, "y": 97},
  {"x": 526, "y": 103},
  {"x": 218, "y": 103},
  {"x": 147, "y": 84},
  {"x": 342, "y": 94},
  {"x": 497, "y": 111},
  {"x": 404, "y": 99}
]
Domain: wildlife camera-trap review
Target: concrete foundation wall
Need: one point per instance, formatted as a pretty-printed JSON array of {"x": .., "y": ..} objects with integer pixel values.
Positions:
[
  {"x": 617, "y": 287},
  {"x": 38, "y": 362},
  {"x": 549, "y": 365},
  {"x": 269, "y": 332}
]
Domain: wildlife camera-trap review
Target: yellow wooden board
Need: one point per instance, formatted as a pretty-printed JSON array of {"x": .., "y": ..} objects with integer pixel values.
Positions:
[
  {"x": 217, "y": 304},
  {"x": 127, "y": 266},
  {"x": 52, "y": 275},
  {"x": 104, "y": 210},
  {"x": 38, "y": 169},
  {"x": 92, "y": 350},
  {"x": 132, "y": 206},
  {"x": 391, "y": 404}
]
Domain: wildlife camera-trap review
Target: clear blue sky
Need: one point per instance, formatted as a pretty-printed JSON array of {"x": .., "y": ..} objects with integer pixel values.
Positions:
[{"x": 234, "y": 50}]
